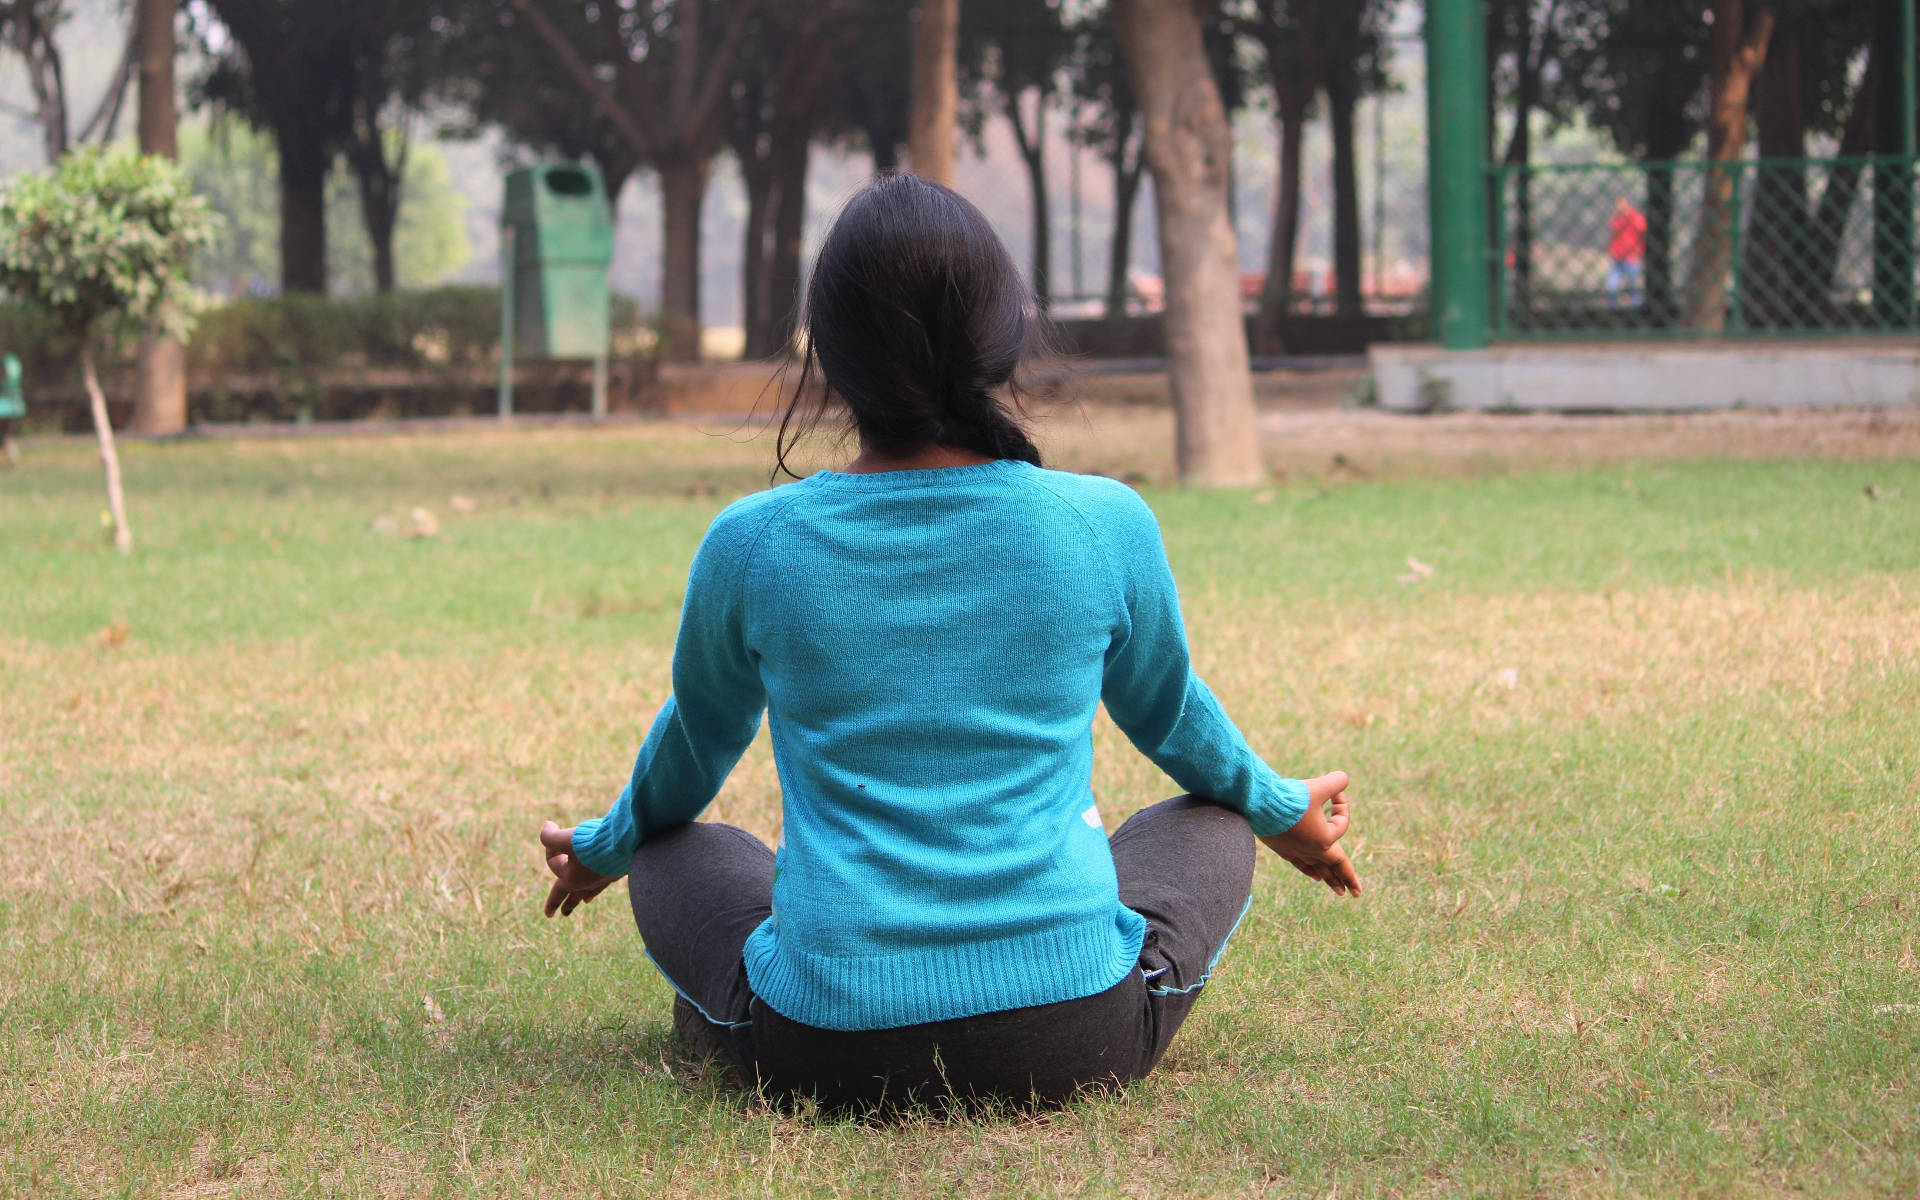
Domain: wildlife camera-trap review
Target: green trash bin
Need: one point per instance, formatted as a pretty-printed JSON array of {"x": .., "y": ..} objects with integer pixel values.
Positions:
[{"x": 555, "y": 247}]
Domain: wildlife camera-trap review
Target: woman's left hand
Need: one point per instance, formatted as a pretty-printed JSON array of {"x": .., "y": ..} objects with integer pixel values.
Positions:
[{"x": 573, "y": 883}]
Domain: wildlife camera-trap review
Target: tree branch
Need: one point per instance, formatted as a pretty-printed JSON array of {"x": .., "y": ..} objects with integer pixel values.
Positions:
[
  {"x": 107, "y": 115},
  {"x": 644, "y": 146},
  {"x": 720, "y": 71}
]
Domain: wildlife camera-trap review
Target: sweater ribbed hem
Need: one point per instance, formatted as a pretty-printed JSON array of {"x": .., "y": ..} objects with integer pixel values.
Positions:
[{"x": 941, "y": 983}]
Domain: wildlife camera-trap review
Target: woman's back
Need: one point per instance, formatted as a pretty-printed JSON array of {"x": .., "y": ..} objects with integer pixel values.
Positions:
[{"x": 932, "y": 646}]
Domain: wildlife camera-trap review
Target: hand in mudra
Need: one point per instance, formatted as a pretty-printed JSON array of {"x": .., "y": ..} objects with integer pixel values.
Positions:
[
  {"x": 573, "y": 883},
  {"x": 1309, "y": 845}
]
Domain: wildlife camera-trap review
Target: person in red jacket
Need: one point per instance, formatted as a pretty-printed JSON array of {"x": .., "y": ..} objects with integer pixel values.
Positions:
[{"x": 1627, "y": 247}]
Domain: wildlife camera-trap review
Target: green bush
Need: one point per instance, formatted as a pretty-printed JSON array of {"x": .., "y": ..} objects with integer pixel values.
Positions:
[
  {"x": 434, "y": 330},
  {"x": 300, "y": 340}
]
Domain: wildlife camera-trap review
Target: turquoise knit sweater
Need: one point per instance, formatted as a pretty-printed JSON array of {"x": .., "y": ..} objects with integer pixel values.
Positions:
[{"x": 931, "y": 647}]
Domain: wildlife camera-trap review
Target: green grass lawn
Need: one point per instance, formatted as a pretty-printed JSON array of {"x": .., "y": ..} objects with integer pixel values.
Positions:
[{"x": 1637, "y": 799}]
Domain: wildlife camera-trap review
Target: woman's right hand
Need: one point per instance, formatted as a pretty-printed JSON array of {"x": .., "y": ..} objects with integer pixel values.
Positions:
[
  {"x": 573, "y": 883},
  {"x": 1309, "y": 845}
]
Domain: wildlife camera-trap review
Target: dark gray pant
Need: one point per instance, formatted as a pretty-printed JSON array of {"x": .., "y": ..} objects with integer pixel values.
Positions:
[{"x": 698, "y": 890}]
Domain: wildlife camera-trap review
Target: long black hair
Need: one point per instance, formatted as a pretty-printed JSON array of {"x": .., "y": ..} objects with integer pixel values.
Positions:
[{"x": 916, "y": 317}]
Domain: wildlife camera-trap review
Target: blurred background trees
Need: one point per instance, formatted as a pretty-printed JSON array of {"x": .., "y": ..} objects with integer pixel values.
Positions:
[{"x": 357, "y": 144}]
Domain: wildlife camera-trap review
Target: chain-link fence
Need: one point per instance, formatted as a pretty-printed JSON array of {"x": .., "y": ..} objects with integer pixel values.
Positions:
[{"x": 1769, "y": 247}]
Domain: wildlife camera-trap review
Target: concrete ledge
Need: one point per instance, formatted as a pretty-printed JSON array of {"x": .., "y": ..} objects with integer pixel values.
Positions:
[{"x": 1647, "y": 376}]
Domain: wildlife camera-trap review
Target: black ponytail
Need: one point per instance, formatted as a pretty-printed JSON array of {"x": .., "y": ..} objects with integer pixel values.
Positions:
[{"x": 916, "y": 318}]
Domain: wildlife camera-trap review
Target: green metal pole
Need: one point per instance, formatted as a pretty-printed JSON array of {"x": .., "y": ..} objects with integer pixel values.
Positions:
[
  {"x": 1457, "y": 171},
  {"x": 505, "y": 402}
]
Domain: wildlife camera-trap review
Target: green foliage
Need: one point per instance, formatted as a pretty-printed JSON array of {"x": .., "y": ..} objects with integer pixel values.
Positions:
[{"x": 106, "y": 234}]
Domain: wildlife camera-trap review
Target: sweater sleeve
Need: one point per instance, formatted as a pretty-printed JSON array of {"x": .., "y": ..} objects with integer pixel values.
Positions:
[
  {"x": 1165, "y": 709},
  {"x": 706, "y": 724}
]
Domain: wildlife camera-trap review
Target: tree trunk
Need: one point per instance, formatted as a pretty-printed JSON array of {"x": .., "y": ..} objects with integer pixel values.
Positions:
[
  {"x": 1779, "y": 293},
  {"x": 755, "y": 258},
  {"x": 1033, "y": 149},
  {"x": 1739, "y": 49},
  {"x": 1342, "y": 95},
  {"x": 934, "y": 103},
  {"x": 683, "y": 185},
  {"x": 160, "y": 384},
  {"x": 1217, "y": 438},
  {"x": 109, "y": 459},
  {"x": 156, "y": 49},
  {"x": 886, "y": 154},
  {"x": 789, "y": 229},
  {"x": 380, "y": 213},
  {"x": 1277, "y": 296},
  {"x": 303, "y": 213},
  {"x": 1665, "y": 142},
  {"x": 1126, "y": 187}
]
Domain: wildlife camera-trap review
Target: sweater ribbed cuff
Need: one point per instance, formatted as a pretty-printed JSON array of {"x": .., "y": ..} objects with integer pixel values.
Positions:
[
  {"x": 1277, "y": 807},
  {"x": 598, "y": 848}
]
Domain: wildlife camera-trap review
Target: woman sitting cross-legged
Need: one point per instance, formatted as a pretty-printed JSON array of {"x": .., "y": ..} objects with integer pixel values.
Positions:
[{"x": 930, "y": 631}]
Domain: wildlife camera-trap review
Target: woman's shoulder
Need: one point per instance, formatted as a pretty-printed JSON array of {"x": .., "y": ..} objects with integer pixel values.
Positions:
[
  {"x": 1107, "y": 504},
  {"x": 740, "y": 524}
]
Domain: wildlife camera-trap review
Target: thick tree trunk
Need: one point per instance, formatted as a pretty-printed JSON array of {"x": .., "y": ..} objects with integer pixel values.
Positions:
[
  {"x": 1127, "y": 166},
  {"x": 1660, "y": 309},
  {"x": 1217, "y": 433},
  {"x": 109, "y": 458},
  {"x": 1739, "y": 49},
  {"x": 683, "y": 185},
  {"x": 1277, "y": 296},
  {"x": 156, "y": 48},
  {"x": 1665, "y": 142},
  {"x": 755, "y": 259},
  {"x": 933, "y": 107},
  {"x": 1342, "y": 96},
  {"x": 303, "y": 213},
  {"x": 789, "y": 229},
  {"x": 160, "y": 382},
  {"x": 1779, "y": 293}
]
